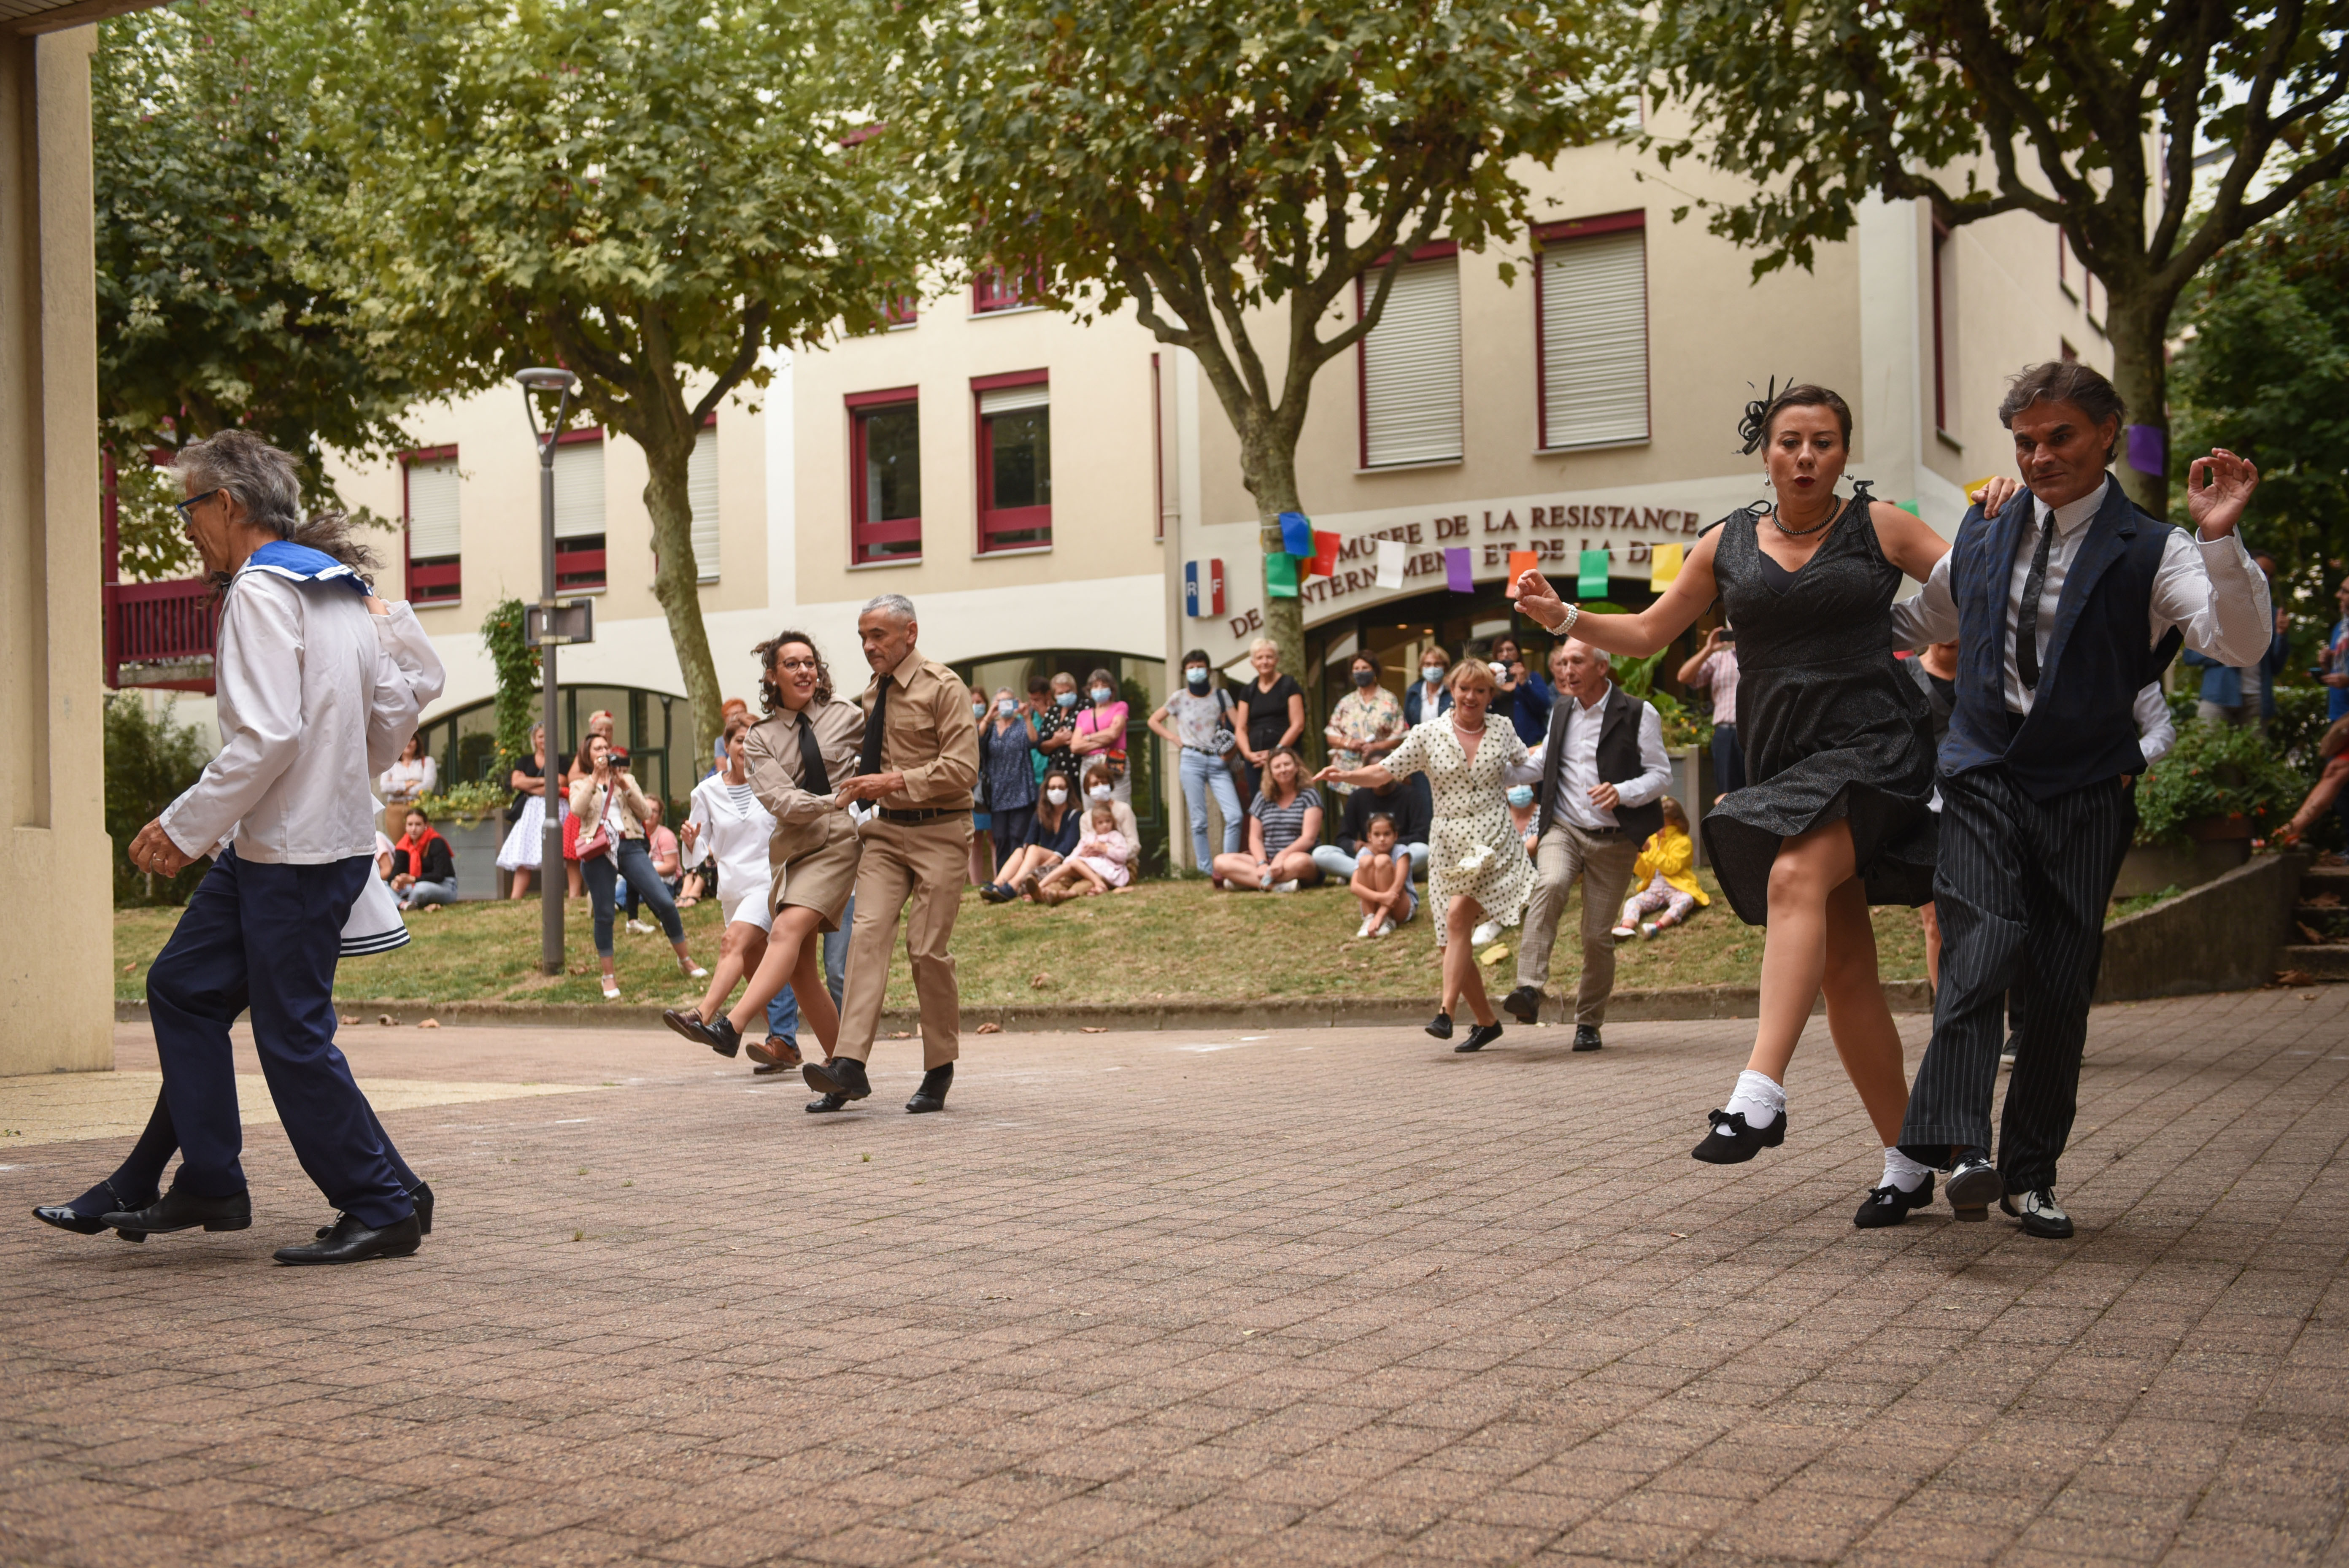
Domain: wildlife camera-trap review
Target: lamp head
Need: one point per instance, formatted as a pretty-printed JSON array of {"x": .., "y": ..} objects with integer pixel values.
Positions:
[{"x": 546, "y": 378}]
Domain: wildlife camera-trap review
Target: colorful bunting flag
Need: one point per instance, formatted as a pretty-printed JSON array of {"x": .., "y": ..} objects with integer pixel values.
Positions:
[
  {"x": 1324, "y": 553},
  {"x": 1281, "y": 576},
  {"x": 1591, "y": 580},
  {"x": 1459, "y": 575},
  {"x": 1391, "y": 563},
  {"x": 1296, "y": 533},
  {"x": 1664, "y": 564},
  {"x": 1520, "y": 563}
]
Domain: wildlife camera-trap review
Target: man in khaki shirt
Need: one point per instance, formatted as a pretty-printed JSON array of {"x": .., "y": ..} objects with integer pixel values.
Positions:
[{"x": 918, "y": 762}]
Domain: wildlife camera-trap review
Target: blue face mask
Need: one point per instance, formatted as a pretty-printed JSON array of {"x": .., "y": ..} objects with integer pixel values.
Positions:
[
  {"x": 1103, "y": 693},
  {"x": 1065, "y": 699},
  {"x": 1521, "y": 795},
  {"x": 1196, "y": 679}
]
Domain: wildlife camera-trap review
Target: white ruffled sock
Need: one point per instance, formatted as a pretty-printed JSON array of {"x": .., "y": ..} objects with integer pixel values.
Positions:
[
  {"x": 1760, "y": 1097},
  {"x": 1903, "y": 1173}
]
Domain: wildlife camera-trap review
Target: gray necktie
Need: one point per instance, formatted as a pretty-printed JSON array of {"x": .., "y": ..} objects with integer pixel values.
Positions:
[{"x": 2026, "y": 615}]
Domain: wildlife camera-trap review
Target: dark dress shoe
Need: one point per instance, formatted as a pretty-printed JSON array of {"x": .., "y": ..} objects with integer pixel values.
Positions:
[
  {"x": 182, "y": 1210},
  {"x": 771, "y": 1069},
  {"x": 1524, "y": 1003},
  {"x": 349, "y": 1242},
  {"x": 1888, "y": 1205},
  {"x": 1586, "y": 1036},
  {"x": 996, "y": 893},
  {"x": 686, "y": 1021},
  {"x": 1974, "y": 1185},
  {"x": 1733, "y": 1143},
  {"x": 1480, "y": 1037},
  {"x": 420, "y": 1195},
  {"x": 774, "y": 1051},
  {"x": 825, "y": 1103},
  {"x": 720, "y": 1036},
  {"x": 2039, "y": 1214},
  {"x": 66, "y": 1217},
  {"x": 932, "y": 1094},
  {"x": 1440, "y": 1025},
  {"x": 843, "y": 1076}
]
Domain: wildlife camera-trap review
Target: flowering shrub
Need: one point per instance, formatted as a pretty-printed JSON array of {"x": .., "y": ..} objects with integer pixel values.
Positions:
[{"x": 2216, "y": 770}]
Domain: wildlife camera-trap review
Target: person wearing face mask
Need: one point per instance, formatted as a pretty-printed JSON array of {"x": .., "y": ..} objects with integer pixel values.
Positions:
[
  {"x": 1099, "y": 739},
  {"x": 1193, "y": 719},
  {"x": 1430, "y": 697},
  {"x": 1006, "y": 745},
  {"x": 1098, "y": 786},
  {"x": 1056, "y": 725},
  {"x": 1366, "y": 723},
  {"x": 1052, "y": 835}
]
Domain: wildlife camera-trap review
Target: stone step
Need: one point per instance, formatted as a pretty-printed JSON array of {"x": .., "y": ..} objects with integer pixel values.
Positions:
[
  {"x": 2325, "y": 879},
  {"x": 2330, "y": 961}
]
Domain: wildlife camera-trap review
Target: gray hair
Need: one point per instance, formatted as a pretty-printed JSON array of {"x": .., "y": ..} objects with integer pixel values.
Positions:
[
  {"x": 268, "y": 482},
  {"x": 895, "y": 606},
  {"x": 2064, "y": 381}
]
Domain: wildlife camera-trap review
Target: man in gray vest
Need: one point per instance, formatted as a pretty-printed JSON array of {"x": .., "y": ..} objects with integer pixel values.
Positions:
[{"x": 1603, "y": 769}]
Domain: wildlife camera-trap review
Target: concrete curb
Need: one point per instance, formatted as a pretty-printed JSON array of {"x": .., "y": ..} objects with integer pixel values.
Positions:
[{"x": 1659, "y": 1005}]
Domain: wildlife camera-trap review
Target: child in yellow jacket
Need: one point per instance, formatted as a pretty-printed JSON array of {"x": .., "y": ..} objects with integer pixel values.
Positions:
[{"x": 1664, "y": 879}]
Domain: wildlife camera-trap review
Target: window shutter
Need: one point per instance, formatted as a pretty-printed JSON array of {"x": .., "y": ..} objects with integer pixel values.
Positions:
[
  {"x": 579, "y": 489},
  {"x": 1009, "y": 399},
  {"x": 701, "y": 489},
  {"x": 1594, "y": 340},
  {"x": 1411, "y": 368},
  {"x": 433, "y": 516}
]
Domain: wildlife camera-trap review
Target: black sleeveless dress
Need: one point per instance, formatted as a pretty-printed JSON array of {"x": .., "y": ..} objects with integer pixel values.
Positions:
[{"x": 1831, "y": 726}]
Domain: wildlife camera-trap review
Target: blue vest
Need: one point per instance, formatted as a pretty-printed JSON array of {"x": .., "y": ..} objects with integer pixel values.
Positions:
[{"x": 2081, "y": 729}]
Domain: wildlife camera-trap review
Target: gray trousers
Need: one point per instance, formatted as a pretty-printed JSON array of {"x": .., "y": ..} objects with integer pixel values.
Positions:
[{"x": 1602, "y": 864}]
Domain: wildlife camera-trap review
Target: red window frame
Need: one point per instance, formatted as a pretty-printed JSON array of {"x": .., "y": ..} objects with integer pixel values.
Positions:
[
  {"x": 1940, "y": 359},
  {"x": 582, "y": 564},
  {"x": 439, "y": 580},
  {"x": 994, "y": 521},
  {"x": 1365, "y": 281},
  {"x": 995, "y": 289},
  {"x": 1556, "y": 233},
  {"x": 867, "y": 534}
]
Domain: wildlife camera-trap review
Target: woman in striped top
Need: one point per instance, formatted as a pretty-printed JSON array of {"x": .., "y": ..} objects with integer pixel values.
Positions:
[{"x": 1284, "y": 824}]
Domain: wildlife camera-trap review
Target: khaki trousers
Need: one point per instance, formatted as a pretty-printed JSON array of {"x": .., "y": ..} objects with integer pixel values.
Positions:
[
  {"x": 1602, "y": 864},
  {"x": 916, "y": 869}
]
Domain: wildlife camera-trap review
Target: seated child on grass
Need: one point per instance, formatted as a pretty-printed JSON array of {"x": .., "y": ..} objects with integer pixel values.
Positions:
[
  {"x": 1098, "y": 863},
  {"x": 1667, "y": 886},
  {"x": 1382, "y": 882}
]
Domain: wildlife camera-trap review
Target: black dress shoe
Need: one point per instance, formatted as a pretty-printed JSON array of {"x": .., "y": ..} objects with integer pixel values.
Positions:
[
  {"x": 420, "y": 1195},
  {"x": 2039, "y": 1214},
  {"x": 1888, "y": 1205},
  {"x": 1440, "y": 1025},
  {"x": 1480, "y": 1037},
  {"x": 66, "y": 1217},
  {"x": 1586, "y": 1036},
  {"x": 182, "y": 1210},
  {"x": 932, "y": 1094},
  {"x": 349, "y": 1242},
  {"x": 720, "y": 1036},
  {"x": 1733, "y": 1143},
  {"x": 1974, "y": 1185},
  {"x": 825, "y": 1103},
  {"x": 843, "y": 1076},
  {"x": 1524, "y": 1003}
]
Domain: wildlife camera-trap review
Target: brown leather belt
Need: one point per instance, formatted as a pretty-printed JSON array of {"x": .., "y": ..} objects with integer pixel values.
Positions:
[{"x": 929, "y": 815}]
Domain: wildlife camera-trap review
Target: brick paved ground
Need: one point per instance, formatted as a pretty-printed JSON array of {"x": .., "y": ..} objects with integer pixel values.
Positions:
[{"x": 1325, "y": 1296}]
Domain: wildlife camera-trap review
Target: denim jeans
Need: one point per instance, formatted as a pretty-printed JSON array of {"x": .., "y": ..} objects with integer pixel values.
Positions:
[
  {"x": 637, "y": 868},
  {"x": 1202, "y": 773},
  {"x": 421, "y": 893},
  {"x": 1338, "y": 866},
  {"x": 783, "y": 1012}
]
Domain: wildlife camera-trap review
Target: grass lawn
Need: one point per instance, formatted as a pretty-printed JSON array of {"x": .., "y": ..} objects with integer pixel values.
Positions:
[{"x": 1164, "y": 941}]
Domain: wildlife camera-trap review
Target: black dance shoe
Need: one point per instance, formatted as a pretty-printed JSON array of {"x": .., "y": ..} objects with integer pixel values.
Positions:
[
  {"x": 1586, "y": 1036},
  {"x": 351, "y": 1241},
  {"x": 1733, "y": 1143},
  {"x": 420, "y": 1195},
  {"x": 932, "y": 1094},
  {"x": 1974, "y": 1185},
  {"x": 843, "y": 1076},
  {"x": 1524, "y": 1003},
  {"x": 66, "y": 1217},
  {"x": 824, "y": 1104},
  {"x": 1440, "y": 1025},
  {"x": 1480, "y": 1037},
  {"x": 182, "y": 1210},
  {"x": 1888, "y": 1205},
  {"x": 2039, "y": 1214}
]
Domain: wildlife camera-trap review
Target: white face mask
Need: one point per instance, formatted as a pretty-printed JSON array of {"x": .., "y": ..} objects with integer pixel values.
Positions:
[
  {"x": 1100, "y": 792},
  {"x": 1431, "y": 674},
  {"x": 1058, "y": 797}
]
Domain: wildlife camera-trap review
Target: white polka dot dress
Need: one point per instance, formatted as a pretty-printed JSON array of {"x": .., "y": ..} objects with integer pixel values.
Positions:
[{"x": 1473, "y": 846}]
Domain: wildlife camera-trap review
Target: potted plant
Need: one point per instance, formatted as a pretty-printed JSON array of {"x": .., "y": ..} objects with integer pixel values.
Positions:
[{"x": 2200, "y": 808}]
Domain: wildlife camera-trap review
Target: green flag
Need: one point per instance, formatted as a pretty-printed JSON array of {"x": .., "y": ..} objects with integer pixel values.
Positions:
[
  {"x": 1591, "y": 581},
  {"x": 1281, "y": 576}
]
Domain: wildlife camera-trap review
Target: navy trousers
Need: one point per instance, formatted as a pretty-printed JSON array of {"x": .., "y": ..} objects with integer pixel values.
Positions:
[
  {"x": 2020, "y": 890},
  {"x": 266, "y": 938}
]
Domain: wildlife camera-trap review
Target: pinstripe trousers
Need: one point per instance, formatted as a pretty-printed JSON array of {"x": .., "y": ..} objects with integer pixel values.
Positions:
[{"x": 2020, "y": 890}]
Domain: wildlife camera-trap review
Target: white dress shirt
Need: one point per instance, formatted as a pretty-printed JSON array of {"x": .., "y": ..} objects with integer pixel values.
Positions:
[
  {"x": 2154, "y": 732},
  {"x": 316, "y": 696},
  {"x": 1577, "y": 763},
  {"x": 2207, "y": 587}
]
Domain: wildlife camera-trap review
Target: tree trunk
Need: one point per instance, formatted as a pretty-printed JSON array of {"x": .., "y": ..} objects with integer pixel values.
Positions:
[
  {"x": 1268, "y": 470},
  {"x": 2141, "y": 376},
  {"x": 675, "y": 586}
]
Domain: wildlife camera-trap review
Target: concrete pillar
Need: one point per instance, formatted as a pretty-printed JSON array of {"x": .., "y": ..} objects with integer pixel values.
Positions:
[{"x": 57, "y": 944}]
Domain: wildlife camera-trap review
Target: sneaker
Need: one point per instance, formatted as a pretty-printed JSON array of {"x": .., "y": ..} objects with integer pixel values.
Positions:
[
  {"x": 1646, "y": 930},
  {"x": 2039, "y": 1214},
  {"x": 1369, "y": 925},
  {"x": 1485, "y": 933},
  {"x": 641, "y": 928},
  {"x": 1623, "y": 933},
  {"x": 1386, "y": 928},
  {"x": 1289, "y": 886}
]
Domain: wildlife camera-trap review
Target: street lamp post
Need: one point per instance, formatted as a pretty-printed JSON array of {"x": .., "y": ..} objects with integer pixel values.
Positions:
[{"x": 551, "y": 878}]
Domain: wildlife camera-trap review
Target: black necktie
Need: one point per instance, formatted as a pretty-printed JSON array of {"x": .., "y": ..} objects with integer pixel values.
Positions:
[
  {"x": 2026, "y": 615},
  {"x": 813, "y": 777},
  {"x": 868, "y": 760}
]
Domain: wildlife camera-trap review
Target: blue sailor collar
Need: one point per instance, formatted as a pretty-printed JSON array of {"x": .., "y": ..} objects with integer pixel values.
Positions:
[{"x": 301, "y": 563}]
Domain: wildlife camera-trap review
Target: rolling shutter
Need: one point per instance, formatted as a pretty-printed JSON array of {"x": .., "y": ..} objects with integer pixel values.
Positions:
[
  {"x": 701, "y": 491},
  {"x": 1010, "y": 399},
  {"x": 579, "y": 489},
  {"x": 1411, "y": 368},
  {"x": 1594, "y": 340},
  {"x": 433, "y": 533}
]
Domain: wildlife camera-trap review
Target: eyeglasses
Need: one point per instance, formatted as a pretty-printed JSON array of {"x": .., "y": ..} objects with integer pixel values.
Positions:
[
  {"x": 186, "y": 508},
  {"x": 796, "y": 665}
]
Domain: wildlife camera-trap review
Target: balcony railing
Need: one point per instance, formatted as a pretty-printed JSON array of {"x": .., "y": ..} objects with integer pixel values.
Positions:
[{"x": 163, "y": 632}]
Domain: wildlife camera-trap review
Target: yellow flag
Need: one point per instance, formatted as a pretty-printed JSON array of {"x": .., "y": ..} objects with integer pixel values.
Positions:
[
  {"x": 1664, "y": 564},
  {"x": 1974, "y": 487}
]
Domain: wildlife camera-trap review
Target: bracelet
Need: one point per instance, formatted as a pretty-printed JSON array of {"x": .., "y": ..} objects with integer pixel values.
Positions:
[{"x": 1573, "y": 614}]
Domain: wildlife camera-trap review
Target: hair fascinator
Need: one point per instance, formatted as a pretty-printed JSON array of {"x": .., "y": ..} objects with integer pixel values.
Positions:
[{"x": 1755, "y": 425}]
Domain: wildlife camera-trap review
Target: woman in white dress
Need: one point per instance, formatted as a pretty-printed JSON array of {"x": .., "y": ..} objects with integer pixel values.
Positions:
[
  {"x": 1476, "y": 868},
  {"x": 520, "y": 852},
  {"x": 728, "y": 817}
]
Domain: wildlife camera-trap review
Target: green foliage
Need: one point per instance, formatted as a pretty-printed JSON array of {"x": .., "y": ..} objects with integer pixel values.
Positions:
[
  {"x": 2298, "y": 725},
  {"x": 1202, "y": 161},
  {"x": 467, "y": 802},
  {"x": 202, "y": 323},
  {"x": 150, "y": 761},
  {"x": 651, "y": 195},
  {"x": 516, "y": 664},
  {"x": 2217, "y": 770}
]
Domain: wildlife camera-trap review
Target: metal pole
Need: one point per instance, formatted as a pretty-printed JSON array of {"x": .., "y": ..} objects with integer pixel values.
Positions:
[{"x": 554, "y": 879}]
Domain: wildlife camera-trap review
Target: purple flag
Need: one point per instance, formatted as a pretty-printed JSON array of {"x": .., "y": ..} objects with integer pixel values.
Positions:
[
  {"x": 2148, "y": 449},
  {"x": 1457, "y": 574}
]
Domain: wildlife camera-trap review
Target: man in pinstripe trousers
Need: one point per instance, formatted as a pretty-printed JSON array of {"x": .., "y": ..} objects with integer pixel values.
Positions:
[{"x": 2063, "y": 608}]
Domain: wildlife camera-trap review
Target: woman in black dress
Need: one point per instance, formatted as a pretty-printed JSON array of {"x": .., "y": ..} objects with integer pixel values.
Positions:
[{"x": 1839, "y": 763}]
